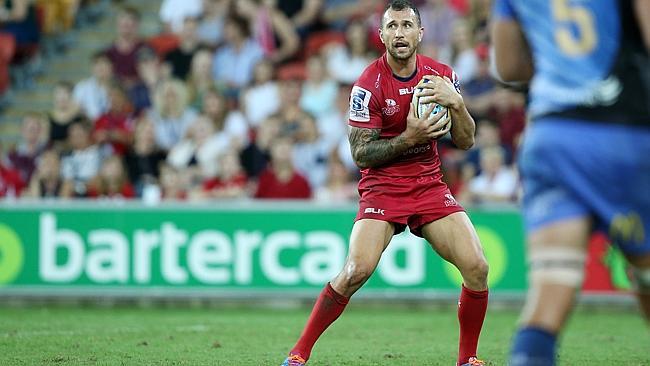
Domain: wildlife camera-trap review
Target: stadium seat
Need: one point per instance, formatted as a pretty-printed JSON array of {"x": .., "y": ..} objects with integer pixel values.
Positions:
[
  {"x": 163, "y": 43},
  {"x": 7, "y": 50},
  {"x": 316, "y": 41}
]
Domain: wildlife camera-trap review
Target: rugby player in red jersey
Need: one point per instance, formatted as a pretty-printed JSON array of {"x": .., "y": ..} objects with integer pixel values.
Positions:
[{"x": 401, "y": 180}]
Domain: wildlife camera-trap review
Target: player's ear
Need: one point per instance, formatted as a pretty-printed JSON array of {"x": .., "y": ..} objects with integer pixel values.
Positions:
[
  {"x": 420, "y": 34},
  {"x": 381, "y": 35}
]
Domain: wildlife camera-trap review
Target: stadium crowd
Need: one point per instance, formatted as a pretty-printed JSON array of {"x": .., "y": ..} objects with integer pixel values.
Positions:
[{"x": 249, "y": 98}]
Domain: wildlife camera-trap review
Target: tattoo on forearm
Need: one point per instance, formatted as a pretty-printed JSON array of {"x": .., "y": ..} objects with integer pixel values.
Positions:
[{"x": 369, "y": 151}]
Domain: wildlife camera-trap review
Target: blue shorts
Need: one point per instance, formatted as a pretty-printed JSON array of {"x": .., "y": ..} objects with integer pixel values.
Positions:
[{"x": 573, "y": 168}]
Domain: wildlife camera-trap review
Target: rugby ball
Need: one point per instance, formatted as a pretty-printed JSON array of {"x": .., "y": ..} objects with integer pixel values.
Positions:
[{"x": 422, "y": 108}]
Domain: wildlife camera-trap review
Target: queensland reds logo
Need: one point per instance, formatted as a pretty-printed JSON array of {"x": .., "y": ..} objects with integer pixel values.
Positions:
[
  {"x": 450, "y": 200},
  {"x": 391, "y": 107}
]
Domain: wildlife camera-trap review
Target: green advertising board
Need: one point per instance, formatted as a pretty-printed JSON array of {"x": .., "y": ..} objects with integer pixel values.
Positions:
[{"x": 247, "y": 249}]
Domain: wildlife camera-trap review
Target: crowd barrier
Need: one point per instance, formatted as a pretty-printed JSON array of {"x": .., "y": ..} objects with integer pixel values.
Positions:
[{"x": 244, "y": 249}]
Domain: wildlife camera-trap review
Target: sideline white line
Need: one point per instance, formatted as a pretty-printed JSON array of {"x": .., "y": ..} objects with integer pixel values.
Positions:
[{"x": 48, "y": 333}]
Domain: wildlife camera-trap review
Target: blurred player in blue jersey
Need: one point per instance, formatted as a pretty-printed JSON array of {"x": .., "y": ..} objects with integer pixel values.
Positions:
[{"x": 585, "y": 160}]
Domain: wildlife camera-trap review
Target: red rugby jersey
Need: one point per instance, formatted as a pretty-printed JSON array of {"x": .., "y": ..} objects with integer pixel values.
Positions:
[{"x": 379, "y": 99}]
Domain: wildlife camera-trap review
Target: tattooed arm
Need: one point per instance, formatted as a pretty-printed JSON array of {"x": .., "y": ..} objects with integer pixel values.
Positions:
[{"x": 369, "y": 151}]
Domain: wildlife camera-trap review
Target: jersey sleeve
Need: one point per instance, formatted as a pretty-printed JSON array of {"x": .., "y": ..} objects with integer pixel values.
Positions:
[
  {"x": 451, "y": 74},
  {"x": 503, "y": 10},
  {"x": 365, "y": 109}
]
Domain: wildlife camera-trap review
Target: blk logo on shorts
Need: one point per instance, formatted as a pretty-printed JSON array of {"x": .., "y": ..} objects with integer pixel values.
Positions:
[{"x": 376, "y": 211}]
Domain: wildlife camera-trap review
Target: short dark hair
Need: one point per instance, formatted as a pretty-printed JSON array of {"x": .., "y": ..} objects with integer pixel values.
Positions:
[
  {"x": 241, "y": 23},
  {"x": 131, "y": 11},
  {"x": 64, "y": 84},
  {"x": 401, "y": 5},
  {"x": 99, "y": 55}
]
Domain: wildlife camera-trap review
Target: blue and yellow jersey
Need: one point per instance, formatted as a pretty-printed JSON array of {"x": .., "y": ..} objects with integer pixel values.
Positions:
[{"x": 590, "y": 62}]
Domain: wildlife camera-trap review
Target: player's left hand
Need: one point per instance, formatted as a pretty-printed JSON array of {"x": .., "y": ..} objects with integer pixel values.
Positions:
[{"x": 439, "y": 90}]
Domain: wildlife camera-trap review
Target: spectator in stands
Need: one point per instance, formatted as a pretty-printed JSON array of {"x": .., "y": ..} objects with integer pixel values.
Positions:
[
  {"x": 91, "y": 94},
  {"x": 272, "y": 30},
  {"x": 497, "y": 183},
  {"x": 83, "y": 161},
  {"x": 196, "y": 154},
  {"x": 479, "y": 93},
  {"x": 170, "y": 114},
  {"x": 143, "y": 159},
  {"x": 58, "y": 15},
  {"x": 346, "y": 62},
  {"x": 303, "y": 14},
  {"x": 123, "y": 52},
  {"x": 11, "y": 185},
  {"x": 234, "y": 62},
  {"x": 340, "y": 187},
  {"x": 210, "y": 30},
  {"x": 509, "y": 111},
  {"x": 319, "y": 91},
  {"x": 18, "y": 18},
  {"x": 230, "y": 125},
  {"x": 294, "y": 122},
  {"x": 65, "y": 111},
  {"x": 199, "y": 79},
  {"x": 438, "y": 18},
  {"x": 32, "y": 143},
  {"x": 255, "y": 156},
  {"x": 464, "y": 59},
  {"x": 280, "y": 180},
  {"x": 343, "y": 153},
  {"x": 174, "y": 12},
  {"x": 151, "y": 75},
  {"x": 333, "y": 126},
  {"x": 47, "y": 181},
  {"x": 180, "y": 58},
  {"x": 230, "y": 181},
  {"x": 487, "y": 136},
  {"x": 339, "y": 13},
  {"x": 112, "y": 181},
  {"x": 172, "y": 184},
  {"x": 262, "y": 98},
  {"x": 479, "y": 16},
  {"x": 113, "y": 130}
]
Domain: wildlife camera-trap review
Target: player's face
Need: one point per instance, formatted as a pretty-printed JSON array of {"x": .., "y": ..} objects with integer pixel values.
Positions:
[{"x": 401, "y": 33}]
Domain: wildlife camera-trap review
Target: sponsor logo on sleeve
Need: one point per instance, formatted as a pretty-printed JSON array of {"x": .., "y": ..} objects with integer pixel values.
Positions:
[{"x": 359, "y": 101}]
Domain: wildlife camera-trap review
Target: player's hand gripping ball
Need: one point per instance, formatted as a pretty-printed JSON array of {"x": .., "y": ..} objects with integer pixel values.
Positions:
[{"x": 422, "y": 108}]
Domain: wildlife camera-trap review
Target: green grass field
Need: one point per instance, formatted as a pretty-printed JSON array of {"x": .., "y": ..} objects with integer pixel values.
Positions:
[{"x": 388, "y": 335}]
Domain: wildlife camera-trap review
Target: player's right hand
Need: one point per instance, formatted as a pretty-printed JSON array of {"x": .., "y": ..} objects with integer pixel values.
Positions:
[{"x": 424, "y": 129}]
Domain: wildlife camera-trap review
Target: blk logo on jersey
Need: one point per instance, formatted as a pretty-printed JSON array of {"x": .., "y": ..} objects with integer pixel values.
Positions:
[
  {"x": 359, "y": 101},
  {"x": 391, "y": 107},
  {"x": 405, "y": 91}
]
